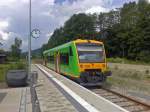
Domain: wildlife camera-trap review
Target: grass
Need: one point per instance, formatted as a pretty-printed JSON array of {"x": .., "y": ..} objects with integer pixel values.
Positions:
[
  {"x": 131, "y": 74},
  {"x": 4, "y": 68},
  {"x": 130, "y": 80},
  {"x": 126, "y": 61}
]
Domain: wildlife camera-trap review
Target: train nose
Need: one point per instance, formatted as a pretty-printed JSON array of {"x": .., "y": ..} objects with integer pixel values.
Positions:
[
  {"x": 86, "y": 66},
  {"x": 92, "y": 76}
]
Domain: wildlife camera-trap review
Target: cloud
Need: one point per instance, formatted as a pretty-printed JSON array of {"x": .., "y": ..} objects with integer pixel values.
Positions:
[
  {"x": 46, "y": 16},
  {"x": 49, "y": 34},
  {"x": 3, "y": 24},
  {"x": 12, "y": 3},
  {"x": 6, "y": 2},
  {"x": 8, "y": 39},
  {"x": 3, "y": 35},
  {"x": 148, "y": 1},
  {"x": 48, "y": 2},
  {"x": 13, "y": 21},
  {"x": 97, "y": 9},
  {"x": 59, "y": 13}
]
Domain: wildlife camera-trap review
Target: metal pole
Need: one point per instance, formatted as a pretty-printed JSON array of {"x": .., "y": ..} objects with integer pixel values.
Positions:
[{"x": 29, "y": 41}]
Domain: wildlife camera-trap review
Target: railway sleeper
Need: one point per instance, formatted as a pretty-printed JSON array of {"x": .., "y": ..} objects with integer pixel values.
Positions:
[{"x": 138, "y": 108}]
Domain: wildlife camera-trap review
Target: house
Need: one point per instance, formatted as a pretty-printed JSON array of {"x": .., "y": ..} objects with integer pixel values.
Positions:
[{"x": 2, "y": 58}]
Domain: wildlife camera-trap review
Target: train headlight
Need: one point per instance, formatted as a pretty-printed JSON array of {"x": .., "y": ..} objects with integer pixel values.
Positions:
[{"x": 81, "y": 66}]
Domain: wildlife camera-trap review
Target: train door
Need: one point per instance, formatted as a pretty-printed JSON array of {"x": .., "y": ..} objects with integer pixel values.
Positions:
[{"x": 58, "y": 62}]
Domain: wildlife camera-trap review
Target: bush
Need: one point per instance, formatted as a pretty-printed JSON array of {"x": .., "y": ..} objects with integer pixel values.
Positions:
[
  {"x": 4, "y": 68},
  {"x": 144, "y": 56},
  {"x": 147, "y": 71},
  {"x": 115, "y": 60}
]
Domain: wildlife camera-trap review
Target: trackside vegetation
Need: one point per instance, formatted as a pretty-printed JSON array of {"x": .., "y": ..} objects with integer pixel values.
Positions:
[
  {"x": 130, "y": 80},
  {"x": 127, "y": 61},
  {"x": 13, "y": 59}
]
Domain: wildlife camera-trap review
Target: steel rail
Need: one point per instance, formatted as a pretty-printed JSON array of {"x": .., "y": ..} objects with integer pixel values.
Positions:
[{"x": 129, "y": 99}]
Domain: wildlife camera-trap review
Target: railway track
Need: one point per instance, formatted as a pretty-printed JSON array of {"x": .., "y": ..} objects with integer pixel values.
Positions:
[{"x": 126, "y": 102}]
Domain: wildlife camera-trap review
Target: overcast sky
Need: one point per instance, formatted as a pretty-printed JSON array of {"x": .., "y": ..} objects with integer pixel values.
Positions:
[{"x": 46, "y": 16}]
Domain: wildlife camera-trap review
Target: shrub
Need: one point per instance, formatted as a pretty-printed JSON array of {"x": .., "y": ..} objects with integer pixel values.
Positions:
[
  {"x": 147, "y": 71},
  {"x": 11, "y": 66},
  {"x": 115, "y": 60}
]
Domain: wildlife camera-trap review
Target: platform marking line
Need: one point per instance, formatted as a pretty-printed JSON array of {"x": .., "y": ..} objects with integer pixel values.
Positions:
[
  {"x": 117, "y": 106},
  {"x": 80, "y": 100},
  {"x": 23, "y": 101}
]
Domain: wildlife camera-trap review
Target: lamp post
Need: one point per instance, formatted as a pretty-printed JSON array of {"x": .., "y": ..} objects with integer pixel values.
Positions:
[{"x": 29, "y": 40}]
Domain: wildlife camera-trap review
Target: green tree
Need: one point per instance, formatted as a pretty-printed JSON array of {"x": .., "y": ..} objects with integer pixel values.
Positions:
[
  {"x": 125, "y": 31},
  {"x": 78, "y": 26},
  {"x": 15, "y": 49}
]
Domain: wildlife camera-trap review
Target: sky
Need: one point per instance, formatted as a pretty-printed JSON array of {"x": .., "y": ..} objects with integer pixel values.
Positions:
[{"x": 47, "y": 15}]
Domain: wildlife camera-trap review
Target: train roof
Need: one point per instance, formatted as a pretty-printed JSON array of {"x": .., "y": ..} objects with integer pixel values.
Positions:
[{"x": 69, "y": 43}]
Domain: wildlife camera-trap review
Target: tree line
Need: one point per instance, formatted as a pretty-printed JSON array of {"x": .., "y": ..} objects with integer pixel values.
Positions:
[
  {"x": 125, "y": 31},
  {"x": 14, "y": 54}
]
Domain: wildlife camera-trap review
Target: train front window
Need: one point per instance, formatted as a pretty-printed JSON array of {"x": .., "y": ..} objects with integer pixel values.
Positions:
[{"x": 90, "y": 53}]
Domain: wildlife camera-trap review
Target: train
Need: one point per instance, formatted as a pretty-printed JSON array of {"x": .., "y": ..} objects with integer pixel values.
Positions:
[{"x": 83, "y": 61}]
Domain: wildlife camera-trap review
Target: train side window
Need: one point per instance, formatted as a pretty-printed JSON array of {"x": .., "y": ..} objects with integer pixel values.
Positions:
[
  {"x": 70, "y": 51},
  {"x": 64, "y": 58},
  {"x": 50, "y": 59}
]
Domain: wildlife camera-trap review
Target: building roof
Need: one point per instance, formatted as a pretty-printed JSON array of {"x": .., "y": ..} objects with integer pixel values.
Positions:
[{"x": 2, "y": 55}]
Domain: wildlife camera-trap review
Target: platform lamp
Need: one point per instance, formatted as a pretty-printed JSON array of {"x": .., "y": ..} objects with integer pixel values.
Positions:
[
  {"x": 35, "y": 33},
  {"x": 29, "y": 54},
  {"x": 29, "y": 40}
]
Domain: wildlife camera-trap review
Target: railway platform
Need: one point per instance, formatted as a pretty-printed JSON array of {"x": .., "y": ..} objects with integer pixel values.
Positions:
[
  {"x": 59, "y": 94},
  {"x": 15, "y": 100},
  {"x": 50, "y": 99},
  {"x": 56, "y": 93}
]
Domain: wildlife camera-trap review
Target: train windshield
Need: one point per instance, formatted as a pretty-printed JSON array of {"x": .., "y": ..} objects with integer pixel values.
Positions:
[{"x": 90, "y": 53}]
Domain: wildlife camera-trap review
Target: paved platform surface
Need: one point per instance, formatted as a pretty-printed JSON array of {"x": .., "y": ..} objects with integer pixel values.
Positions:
[
  {"x": 50, "y": 98},
  {"x": 97, "y": 102},
  {"x": 11, "y": 100}
]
